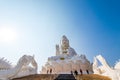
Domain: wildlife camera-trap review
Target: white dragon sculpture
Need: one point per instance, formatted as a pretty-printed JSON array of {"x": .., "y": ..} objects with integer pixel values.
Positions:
[
  {"x": 23, "y": 68},
  {"x": 105, "y": 69}
]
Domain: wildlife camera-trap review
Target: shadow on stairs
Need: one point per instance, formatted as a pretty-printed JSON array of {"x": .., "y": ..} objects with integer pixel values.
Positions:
[{"x": 65, "y": 77}]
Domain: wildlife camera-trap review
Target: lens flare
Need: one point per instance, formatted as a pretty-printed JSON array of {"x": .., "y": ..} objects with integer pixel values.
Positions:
[{"x": 7, "y": 35}]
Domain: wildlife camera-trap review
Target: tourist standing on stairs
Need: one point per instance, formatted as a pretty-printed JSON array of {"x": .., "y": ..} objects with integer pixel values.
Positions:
[
  {"x": 87, "y": 71},
  {"x": 50, "y": 71},
  {"x": 76, "y": 73},
  {"x": 81, "y": 71},
  {"x": 71, "y": 72},
  {"x": 47, "y": 71}
]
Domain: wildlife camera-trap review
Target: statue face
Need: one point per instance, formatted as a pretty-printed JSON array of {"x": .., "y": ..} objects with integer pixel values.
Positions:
[{"x": 65, "y": 42}]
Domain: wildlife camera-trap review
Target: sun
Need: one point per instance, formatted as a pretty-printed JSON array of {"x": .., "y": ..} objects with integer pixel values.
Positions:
[{"x": 7, "y": 35}]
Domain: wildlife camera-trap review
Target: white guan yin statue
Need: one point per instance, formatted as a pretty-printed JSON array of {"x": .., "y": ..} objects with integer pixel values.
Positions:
[
  {"x": 66, "y": 60},
  {"x": 105, "y": 69},
  {"x": 7, "y": 71}
]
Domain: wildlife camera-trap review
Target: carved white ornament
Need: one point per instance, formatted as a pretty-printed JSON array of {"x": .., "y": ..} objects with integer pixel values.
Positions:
[
  {"x": 105, "y": 69},
  {"x": 21, "y": 69}
]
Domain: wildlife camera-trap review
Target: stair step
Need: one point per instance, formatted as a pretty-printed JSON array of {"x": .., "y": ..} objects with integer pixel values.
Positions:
[{"x": 65, "y": 77}]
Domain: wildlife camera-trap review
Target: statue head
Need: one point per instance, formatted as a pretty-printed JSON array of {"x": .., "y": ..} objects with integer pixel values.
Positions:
[{"x": 64, "y": 43}]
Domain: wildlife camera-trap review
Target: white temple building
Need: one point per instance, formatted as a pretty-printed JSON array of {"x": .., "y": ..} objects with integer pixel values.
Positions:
[{"x": 66, "y": 60}]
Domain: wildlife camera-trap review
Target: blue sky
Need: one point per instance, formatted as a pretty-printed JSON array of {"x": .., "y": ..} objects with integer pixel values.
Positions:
[{"x": 92, "y": 26}]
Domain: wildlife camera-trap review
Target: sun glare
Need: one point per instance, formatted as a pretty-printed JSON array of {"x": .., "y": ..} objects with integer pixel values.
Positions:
[{"x": 7, "y": 35}]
